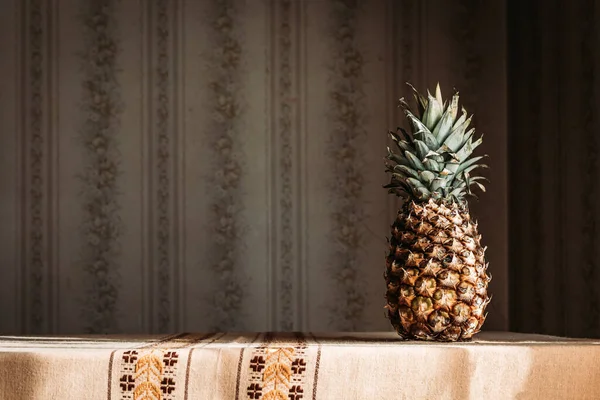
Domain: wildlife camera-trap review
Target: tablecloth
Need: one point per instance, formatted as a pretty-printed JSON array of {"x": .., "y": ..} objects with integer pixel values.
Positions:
[{"x": 297, "y": 366}]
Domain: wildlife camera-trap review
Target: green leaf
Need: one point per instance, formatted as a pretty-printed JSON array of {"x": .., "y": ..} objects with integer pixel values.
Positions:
[
  {"x": 481, "y": 187},
  {"x": 399, "y": 192},
  {"x": 438, "y": 93},
  {"x": 406, "y": 135},
  {"x": 451, "y": 164},
  {"x": 468, "y": 148},
  {"x": 472, "y": 167},
  {"x": 443, "y": 128},
  {"x": 402, "y": 144},
  {"x": 452, "y": 167},
  {"x": 433, "y": 112},
  {"x": 416, "y": 123},
  {"x": 443, "y": 149},
  {"x": 460, "y": 184},
  {"x": 428, "y": 138},
  {"x": 415, "y": 183},
  {"x": 432, "y": 165},
  {"x": 398, "y": 137},
  {"x": 394, "y": 136},
  {"x": 400, "y": 176},
  {"x": 421, "y": 100},
  {"x": 461, "y": 125},
  {"x": 461, "y": 176},
  {"x": 468, "y": 182},
  {"x": 403, "y": 104},
  {"x": 445, "y": 172},
  {"x": 467, "y": 164},
  {"x": 421, "y": 148},
  {"x": 449, "y": 155},
  {"x": 397, "y": 158},
  {"x": 407, "y": 170},
  {"x": 433, "y": 155},
  {"x": 405, "y": 146},
  {"x": 427, "y": 176},
  {"x": 414, "y": 160},
  {"x": 439, "y": 158},
  {"x": 468, "y": 135},
  {"x": 457, "y": 138},
  {"x": 437, "y": 183},
  {"x": 397, "y": 184},
  {"x": 461, "y": 120},
  {"x": 420, "y": 191},
  {"x": 458, "y": 192}
]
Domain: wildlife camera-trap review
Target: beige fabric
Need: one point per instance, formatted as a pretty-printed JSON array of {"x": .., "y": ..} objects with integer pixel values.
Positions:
[{"x": 298, "y": 367}]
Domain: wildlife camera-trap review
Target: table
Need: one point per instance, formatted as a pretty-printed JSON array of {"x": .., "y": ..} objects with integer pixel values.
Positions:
[{"x": 297, "y": 366}]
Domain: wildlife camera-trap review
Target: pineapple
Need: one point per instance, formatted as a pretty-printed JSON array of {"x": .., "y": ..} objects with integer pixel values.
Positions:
[{"x": 435, "y": 269}]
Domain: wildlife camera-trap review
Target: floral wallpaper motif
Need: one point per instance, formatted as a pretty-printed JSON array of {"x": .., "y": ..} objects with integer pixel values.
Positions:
[
  {"x": 35, "y": 181},
  {"x": 99, "y": 135},
  {"x": 224, "y": 132},
  {"x": 348, "y": 135},
  {"x": 163, "y": 116},
  {"x": 286, "y": 205}
]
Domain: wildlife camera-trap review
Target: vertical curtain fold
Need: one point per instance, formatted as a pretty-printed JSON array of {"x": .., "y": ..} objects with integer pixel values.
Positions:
[{"x": 553, "y": 167}]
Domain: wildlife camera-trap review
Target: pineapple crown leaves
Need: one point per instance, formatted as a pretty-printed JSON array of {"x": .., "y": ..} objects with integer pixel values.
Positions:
[{"x": 434, "y": 158}]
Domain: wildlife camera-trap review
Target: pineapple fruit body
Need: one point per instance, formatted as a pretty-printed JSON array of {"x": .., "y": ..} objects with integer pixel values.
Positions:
[
  {"x": 437, "y": 284},
  {"x": 435, "y": 273}
]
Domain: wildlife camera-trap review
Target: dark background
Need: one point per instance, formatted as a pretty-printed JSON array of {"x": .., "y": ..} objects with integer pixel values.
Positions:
[{"x": 554, "y": 238}]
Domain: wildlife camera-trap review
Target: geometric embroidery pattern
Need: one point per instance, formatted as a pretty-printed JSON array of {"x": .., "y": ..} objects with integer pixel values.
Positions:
[
  {"x": 148, "y": 374},
  {"x": 277, "y": 372},
  {"x": 153, "y": 372}
]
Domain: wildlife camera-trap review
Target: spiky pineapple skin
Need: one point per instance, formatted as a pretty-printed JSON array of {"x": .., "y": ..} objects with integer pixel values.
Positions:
[{"x": 436, "y": 273}]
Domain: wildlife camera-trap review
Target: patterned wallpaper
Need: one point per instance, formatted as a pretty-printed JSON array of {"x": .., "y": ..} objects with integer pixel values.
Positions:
[{"x": 217, "y": 165}]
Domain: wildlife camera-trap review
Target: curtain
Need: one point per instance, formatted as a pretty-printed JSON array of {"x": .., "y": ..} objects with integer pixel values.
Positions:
[{"x": 554, "y": 138}]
